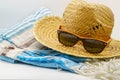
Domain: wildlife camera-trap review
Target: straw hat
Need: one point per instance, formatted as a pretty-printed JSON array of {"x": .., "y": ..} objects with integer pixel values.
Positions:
[{"x": 83, "y": 19}]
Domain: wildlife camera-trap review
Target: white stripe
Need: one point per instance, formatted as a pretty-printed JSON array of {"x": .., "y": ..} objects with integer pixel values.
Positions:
[{"x": 42, "y": 11}]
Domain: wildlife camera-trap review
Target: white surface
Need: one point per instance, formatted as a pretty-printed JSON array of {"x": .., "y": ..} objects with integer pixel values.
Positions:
[
  {"x": 14, "y": 11},
  {"x": 21, "y": 71}
]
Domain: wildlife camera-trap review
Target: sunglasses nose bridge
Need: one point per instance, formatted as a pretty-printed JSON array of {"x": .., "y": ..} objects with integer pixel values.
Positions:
[
  {"x": 81, "y": 39},
  {"x": 90, "y": 45}
]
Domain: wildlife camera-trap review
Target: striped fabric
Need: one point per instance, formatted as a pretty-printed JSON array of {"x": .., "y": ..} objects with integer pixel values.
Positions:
[
  {"x": 27, "y": 23},
  {"x": 19, "y": 44},
  {"x": 17, "y": 35}
]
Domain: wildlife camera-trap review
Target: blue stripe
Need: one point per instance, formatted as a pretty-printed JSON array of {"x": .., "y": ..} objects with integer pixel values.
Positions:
[
  {"x": 24, "y": 27},
  {"x": 27, "y": 23},
  {"x": 4, "y": 58}
]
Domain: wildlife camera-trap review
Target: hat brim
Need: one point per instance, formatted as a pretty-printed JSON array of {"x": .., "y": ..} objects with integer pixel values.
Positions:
[{"x": 45, "y": 32}]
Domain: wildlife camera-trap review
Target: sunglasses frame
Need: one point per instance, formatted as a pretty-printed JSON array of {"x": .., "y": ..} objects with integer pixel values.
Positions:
[{"x": 80, "y": 39}]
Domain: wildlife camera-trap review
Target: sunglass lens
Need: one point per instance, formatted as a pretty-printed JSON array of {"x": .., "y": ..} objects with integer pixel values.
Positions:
[
  {"x": 94, "y": 46},
  {"x": 67, "y": 39}
]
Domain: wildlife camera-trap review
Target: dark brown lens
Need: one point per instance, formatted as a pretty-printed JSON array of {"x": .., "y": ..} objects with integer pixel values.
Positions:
[
  {"x": 67, "y": 39},
  {"x": 94, "y": 46}
]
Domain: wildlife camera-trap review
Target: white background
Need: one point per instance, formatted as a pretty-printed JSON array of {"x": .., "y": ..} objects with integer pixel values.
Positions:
[{"x": 14, "y": 11}]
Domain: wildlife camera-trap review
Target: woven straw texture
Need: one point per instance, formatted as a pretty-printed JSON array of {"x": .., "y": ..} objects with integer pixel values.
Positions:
[
  {"x": 84, "y": 20},
  {"x": 45, "y": 32},
  {"x": 88, "y": 20}
]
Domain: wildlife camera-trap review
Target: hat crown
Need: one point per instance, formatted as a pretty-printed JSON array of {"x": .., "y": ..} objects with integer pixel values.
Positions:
[{"x": 88, "y": 20}]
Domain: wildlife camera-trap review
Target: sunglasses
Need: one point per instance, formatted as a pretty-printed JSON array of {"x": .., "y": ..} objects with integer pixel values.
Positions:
[{"x": 90, "y": 45}]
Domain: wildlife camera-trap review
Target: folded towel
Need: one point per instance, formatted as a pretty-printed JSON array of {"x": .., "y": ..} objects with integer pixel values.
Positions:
[{"x": 19, "y": 45}]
